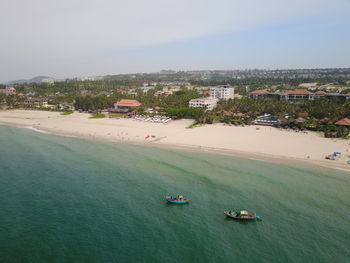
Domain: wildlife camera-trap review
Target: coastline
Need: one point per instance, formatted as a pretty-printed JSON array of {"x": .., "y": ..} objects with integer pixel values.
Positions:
[{"x": 266, "y": 144}]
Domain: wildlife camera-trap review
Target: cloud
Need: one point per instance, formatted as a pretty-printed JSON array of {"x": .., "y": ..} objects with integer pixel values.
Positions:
[
  {"x": 81, "y": 25},
  {"x": 65, "y": 28}
]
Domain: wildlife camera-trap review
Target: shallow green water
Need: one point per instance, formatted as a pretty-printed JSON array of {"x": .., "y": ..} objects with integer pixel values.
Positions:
[{"x": 70, "y": 200}]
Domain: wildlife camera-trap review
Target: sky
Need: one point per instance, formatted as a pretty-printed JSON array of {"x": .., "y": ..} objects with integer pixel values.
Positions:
[{"x": 72, "y": 38}]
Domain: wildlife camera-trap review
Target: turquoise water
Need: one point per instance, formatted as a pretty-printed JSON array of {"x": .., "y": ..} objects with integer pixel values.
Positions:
[{"x": 71, "y": 200}]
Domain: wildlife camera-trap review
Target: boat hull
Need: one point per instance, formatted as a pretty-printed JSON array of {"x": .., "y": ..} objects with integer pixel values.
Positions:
[
  {"x": 245, "y": 218},
  {"x": 178, "y": 202}
]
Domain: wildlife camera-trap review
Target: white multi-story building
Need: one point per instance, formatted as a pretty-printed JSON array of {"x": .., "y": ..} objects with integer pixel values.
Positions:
[
  {"x": 208, "y": 103},
  {"x": 222, "y": 92}
]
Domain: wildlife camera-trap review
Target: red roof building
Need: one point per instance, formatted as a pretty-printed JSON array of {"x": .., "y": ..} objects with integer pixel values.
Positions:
[
  {"x": 125, "y": 103},
  {"x": 299, "y": 92},
  {"x": 320, "y": 94},
  {"x": 343, "y": 122},
  {"x": 258, "y": 92},
  {"x": 300, "y": 120}
]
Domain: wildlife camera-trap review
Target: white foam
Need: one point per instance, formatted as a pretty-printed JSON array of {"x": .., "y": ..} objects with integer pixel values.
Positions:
[
  {"x": 35, "y": 129},
  {"x": 342, "y": 169},
  {"x": 254, "y": 159},
  {"x": 337, "y": 168},
  {"x": 46, "y": 132}
]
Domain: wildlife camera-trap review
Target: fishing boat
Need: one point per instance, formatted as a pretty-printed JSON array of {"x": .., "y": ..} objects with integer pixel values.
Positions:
[
  {"x": 177, "y": 199},
  {"x": 242, "y": 215}
]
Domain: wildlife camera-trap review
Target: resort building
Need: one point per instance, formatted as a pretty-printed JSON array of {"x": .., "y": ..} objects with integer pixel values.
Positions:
[
  {"x": 146, "y": 89},
  {"x": 8, "y": 90},
  {"x": 320, "y": 94},
  {"x": 259, "y": 94},
  {"x": 206, "y": 92},
  {"x": 299, "y": 94},
  {"x": 66, "y": 106},
  {"x": 132, "y": 92},
  {"x": 222, "y": 92},
  {"x": 21, "y": 95},
  {"x": 175, "y": 83},
  {"x": 36, "y": 102},
  {"x": 343, "y": 122},
  {"x": 125, "y": 105},
  {"x": 269, "y": 120},
  {"x": 208, "y": 103}
]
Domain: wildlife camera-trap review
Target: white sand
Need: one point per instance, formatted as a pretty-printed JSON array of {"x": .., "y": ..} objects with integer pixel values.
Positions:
[{"x": 265, "y": 143}]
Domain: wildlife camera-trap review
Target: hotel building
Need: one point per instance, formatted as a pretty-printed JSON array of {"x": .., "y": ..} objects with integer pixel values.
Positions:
[{"x": 222, "y": 92}]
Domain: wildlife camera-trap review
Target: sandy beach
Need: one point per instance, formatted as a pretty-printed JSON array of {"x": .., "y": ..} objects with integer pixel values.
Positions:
[{"x": 265, "y": 143}]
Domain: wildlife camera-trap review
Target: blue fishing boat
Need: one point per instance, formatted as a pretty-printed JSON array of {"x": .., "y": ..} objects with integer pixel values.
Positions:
[
  {"x": 242, "y": 215},
  {"x": 177, "y": 199}
]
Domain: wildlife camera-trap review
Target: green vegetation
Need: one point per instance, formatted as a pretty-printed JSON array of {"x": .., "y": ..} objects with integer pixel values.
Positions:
[
  {"x": 98, "y": 116},
  {"x": 333, "y": 110},
  {"x": 67, "y": 112},
  {"x": 319, "y": 115},
  {"x": 194, "y": 125},
  {"x": 185, "y": 112}
]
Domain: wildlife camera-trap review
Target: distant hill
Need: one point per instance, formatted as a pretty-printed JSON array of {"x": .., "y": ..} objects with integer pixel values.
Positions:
[{"x": 35, "y": 79}]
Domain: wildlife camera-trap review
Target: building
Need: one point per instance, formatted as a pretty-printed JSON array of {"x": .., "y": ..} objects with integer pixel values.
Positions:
[
  {"x": 309, "y": 86},
  {"x": 36, "y": 102},
  {"x": 132, "y": 92},
  {"x": 66, "y": 106},
  {"x": 320, "y": 94},
  {"x": 162, "y": 93},
  {"x": 145, "y": 89},
  {"x": 259, "y": 94},
  {"x": 175, "y": 83},
  {"x": 147, "y": 84},
  {"x": 9, "y": 90},
  {"x": 299, "y": 94},
  {"x": 343, "y": 122},
  {"x": 21, "y": 95},
  {"x": 222, "y": 92},
  {"x": 206, "y": 92},
  {"x": 269, "y": 120},
  {"x": 208, "y": 103},
  {"x": 125, "y": 105}
]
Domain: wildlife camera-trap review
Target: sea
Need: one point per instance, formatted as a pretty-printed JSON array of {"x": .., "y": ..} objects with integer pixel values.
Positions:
[{"x": 66, "y": 199}]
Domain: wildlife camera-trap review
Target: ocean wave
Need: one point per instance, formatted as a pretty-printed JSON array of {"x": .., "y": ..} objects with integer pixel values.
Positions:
[
  {"x": 341, "y": 169},
  {"x": 46, "y": 132},
  {"x": 35, "y": 129}
]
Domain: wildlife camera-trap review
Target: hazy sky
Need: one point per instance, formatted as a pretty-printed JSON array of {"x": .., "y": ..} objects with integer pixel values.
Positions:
[{"x": 67, "y": 38}]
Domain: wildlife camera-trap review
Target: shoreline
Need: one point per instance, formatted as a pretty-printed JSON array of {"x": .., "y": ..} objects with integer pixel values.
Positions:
[
  {"x": 196, "y": 139},
  {"x": 234, "y": 153}
]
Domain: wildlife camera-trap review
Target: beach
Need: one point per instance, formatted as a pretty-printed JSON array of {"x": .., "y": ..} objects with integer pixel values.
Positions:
[{"x": 257, "y": 142}]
